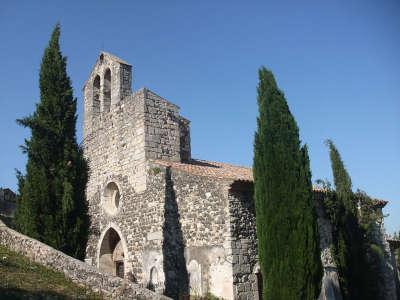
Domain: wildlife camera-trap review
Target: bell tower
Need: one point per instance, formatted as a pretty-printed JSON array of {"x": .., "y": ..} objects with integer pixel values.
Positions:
[{"x": 109, "y": 82}]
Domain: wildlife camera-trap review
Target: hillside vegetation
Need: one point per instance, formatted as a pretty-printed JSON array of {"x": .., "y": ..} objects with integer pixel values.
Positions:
[{"x": 24, "y": 279}]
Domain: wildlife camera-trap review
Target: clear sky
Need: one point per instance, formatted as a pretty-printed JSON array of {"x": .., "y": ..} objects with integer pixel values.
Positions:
[{"x": 338, "y": 64}]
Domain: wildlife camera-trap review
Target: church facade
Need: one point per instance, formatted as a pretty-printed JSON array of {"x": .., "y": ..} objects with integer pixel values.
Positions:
[{"x": 175, "y": 224}]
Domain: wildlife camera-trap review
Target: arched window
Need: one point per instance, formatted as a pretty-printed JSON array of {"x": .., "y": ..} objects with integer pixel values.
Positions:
[
  {"x": 111, "y": 198},
  {"x": 96, "y": 95},
  {"x": 107, "y": 91}
]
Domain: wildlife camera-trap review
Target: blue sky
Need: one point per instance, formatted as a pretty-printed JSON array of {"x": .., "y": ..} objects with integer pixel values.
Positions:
[{"x": 337, "y": 62}]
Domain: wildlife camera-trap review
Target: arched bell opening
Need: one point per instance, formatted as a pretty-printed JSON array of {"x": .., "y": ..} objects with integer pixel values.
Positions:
[
  {"x": 112, "y": 256},
  {"x": 107, "y": 90},
  {"x": 96, "y": 95}
]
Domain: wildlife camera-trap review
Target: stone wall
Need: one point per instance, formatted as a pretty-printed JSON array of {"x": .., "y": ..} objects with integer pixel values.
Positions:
[
  {"x": 138, "y": 221},
  {"x": 177, "y": 232},
  {"x": 115, "y": 144},
  {"x": 185, "y": 147},
  {"x": 76, "y": 270},
  {"x": 246, "y": 273},
  {"x": 162, "y": 128},
  {"x": 205, "y": 224},
  {"x": 121, "y": 135},
  {"x": 330, "y": 289}
]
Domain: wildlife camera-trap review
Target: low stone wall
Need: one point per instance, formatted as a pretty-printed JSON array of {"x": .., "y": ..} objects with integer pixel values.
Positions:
[{"x": 76, "y": 270}]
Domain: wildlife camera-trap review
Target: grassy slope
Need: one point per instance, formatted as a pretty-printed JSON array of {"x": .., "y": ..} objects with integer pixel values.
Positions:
[{"x": 21, "y": 278}]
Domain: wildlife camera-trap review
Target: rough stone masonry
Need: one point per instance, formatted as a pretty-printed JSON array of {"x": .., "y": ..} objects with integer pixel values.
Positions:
[
  {"x": 159, "y": 217},
  {"x": 173, "y": 223},
  {"x": 109, "y": 286}
]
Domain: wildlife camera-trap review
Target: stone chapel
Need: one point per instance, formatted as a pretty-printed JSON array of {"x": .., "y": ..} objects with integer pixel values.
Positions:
[{"x": 174, "y": 224}]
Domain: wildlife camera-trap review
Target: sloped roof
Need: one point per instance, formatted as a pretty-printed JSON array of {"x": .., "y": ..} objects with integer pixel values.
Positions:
[
  {"x": 211, "y": 169},
  {"x": 221, "y": 170}
]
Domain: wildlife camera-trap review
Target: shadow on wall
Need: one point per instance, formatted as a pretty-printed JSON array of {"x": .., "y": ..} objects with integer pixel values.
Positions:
[{"x": 175, "y": 271}]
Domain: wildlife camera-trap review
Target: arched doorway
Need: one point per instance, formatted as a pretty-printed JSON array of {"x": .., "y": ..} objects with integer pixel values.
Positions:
[{"x": 111, "y": 256}]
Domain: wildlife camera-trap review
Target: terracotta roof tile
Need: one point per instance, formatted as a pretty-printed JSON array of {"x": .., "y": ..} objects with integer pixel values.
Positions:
[
  {"x": 210, "y": 169},
  {"x": 225, "y": 171}
]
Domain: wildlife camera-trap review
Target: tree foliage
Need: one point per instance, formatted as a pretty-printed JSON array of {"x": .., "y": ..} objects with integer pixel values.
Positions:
[
  {"x": 285, "y": 215},
  {"x": 51, "y": 205},
  {"x": 397, "y": 252},
  {"x": 357, "y": 254}
]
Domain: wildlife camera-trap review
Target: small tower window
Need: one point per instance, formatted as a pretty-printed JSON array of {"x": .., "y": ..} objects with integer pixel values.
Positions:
[
  {"x": 107, "y": 91},
  {"x": 96, "y": 95},
  {"x": 111, "y": 198}
]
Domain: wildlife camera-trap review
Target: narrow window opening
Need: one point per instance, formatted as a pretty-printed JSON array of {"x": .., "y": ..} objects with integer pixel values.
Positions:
[
  {"x": 96, "y": 95},
  {"x": 107, "y": 91}
]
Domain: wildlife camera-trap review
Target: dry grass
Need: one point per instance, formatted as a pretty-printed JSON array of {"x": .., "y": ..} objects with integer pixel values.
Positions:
[{"x": 24, "y": 279}]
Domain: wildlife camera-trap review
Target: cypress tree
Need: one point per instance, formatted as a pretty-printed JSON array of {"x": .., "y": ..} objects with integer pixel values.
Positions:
[
  {"x": 51, "y": 205},
  {"x": 341, "y": 178},
  {"x": 285, "y": 215},
  {"x": 347, "y": 235}
]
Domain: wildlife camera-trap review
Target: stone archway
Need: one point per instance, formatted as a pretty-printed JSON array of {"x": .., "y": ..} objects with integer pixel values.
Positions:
[{"x": 112, "y": 255}]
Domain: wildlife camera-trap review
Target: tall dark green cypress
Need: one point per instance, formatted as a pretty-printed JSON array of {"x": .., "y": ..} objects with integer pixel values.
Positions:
[
  {"x": 347, "y": 235},
  {"x": 51, "y": 205},
  {"x": 341, "y": 178},
  {"x": 285, "y": 214}
]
